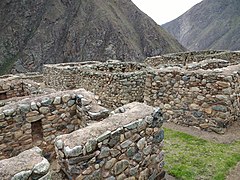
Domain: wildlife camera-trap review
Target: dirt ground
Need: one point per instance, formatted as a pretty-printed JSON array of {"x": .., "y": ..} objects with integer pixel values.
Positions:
[{"x": 231, "y": 135}]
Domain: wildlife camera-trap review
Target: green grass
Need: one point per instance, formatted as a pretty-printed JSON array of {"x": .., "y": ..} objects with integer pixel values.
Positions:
[{"x": 188, "y": 157}]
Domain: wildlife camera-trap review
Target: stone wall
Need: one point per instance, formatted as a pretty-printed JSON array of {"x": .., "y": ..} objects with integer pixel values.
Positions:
[
  {"x": 29, "y": 164},
  {"x": 208, "y": 99},
  {"x": 194, "y": 56},
  {"x": 36, "y": 121},
  {"x": 126, "y": 145},
  {"x": 202, "y": 93},
  {"x": 12, "y": 86},
  {"x": 116, "y": 83}
]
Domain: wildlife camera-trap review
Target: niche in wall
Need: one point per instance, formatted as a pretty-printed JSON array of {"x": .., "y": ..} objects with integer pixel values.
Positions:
[
  {"x": 3, "y": 95},
  {"x": 37, "y": 131}
]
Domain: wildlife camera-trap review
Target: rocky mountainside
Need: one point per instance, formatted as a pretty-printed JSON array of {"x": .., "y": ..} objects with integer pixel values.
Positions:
[
  {"x": 211, "y": 24},
  {"x": 35, "y": 32}
]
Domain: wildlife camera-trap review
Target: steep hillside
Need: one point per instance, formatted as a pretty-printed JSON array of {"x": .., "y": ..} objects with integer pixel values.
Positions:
[
  {"x": 35, "y": 32},
  {"x": 211, "y": 24}
]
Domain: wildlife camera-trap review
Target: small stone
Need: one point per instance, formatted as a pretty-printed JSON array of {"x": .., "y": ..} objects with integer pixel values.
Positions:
[
  {"x": 137, "y": 157},
  {"x": 208, "y": 110},
  {"x": 104, "y": 136},
  {"x": 144, "y": 174},
  {"x": 185, "y": 78},
  {"x": 220, "y": 108},
  {"x": 223, "y": 84},
  {"x": 167, "y": 106},
  {"x": 44, "y": 110},
  {"x": 132, "y": 125},
  {"x": 126, "y": 144},
  {"x": 157, "y": 138},
  {"x": 135, "y": 137},
  {"x": 134, "y": 171},
  {"x": 114, "y": 152},
  {"x": 120, "y": 166},
  {"x": 24, "y": 107},
  {"x": 88, "y": 171},
  {"x": 66, "y": 98},
  {"x": 46, "y": 177},
  {"x": 97, "y": 175},
  {"x": 149, "y": 131},
  {"x": 42, "y": 167},
  {"x": 109, "y": 164},
  {"x": 32, "y": 113},
  {"x": 34, "y": 106},
  {"x": 91, "y": 145},
  {"x": 121, "y": 177},
  {"x": 197, "y": 114},
  {"x": 2, "y": 116},
  {"x": 195, "y": 89},
  {"x": 141, "y": 143},
  {"x": 105, "y": 152},
  {"x": 199, "y": 97},
  {"x": 111, "y": 178},
  {"x": 85, "y": 102},
  {"x": 34, "y": 118},
  {"x": 57, "y": 100},
  {"x": 114, "y": 140},
  {"x": 194, "y": 106},
  {"x": 18, "y": 134},
  {"x": 59, "y": 144},
  {"x": 22, "y": 175},
  {"x": 71, "y": 103},
  {"x": 147, "y": 150},
  {"x": 76, "y": 151},
  {"x": 46, "y": 101},
  {"x": 131, "y": 151},
  {"x": 9, "y": 112}
]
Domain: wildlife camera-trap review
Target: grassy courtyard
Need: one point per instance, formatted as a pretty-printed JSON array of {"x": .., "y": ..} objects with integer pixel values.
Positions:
[{"x": 191, "y": 158}]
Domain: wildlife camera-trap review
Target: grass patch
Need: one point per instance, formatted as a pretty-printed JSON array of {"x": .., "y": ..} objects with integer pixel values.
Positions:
[{"x": 188, "y": 157}]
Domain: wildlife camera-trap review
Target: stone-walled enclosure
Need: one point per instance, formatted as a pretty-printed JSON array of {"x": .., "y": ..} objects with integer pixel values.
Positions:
[
  {"x": 116, "y": 83},
  {"x": 127, "y": 144},
  {"x": 37, "y": 121},
  {"x": 185, "y": 58},
  {"x": 199, "y": 89},
  {"x": 17, "y": 86},
  {"x": 194, "y": 88}
]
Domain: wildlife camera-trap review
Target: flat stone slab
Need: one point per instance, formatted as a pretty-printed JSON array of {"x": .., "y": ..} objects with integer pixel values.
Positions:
[{"x": 26, "y": 163}]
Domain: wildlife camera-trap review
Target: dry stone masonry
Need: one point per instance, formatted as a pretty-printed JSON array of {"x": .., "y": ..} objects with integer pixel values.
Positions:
[
  {"x": 29, "y": 164},
  {"x": 37, "y": 121},
  {"x": 116, "y": 83},
  {"x": 198, "y": 89},
  {"x": 127, "y": 144},
  {"x": 192, "y": 88},
  {"x": 185, "y": 58}
]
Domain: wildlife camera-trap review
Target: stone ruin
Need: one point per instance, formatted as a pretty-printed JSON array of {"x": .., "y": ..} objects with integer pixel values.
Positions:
[
  {"x": 199, "y": 89},
  {"x": 114, "y": 132}
]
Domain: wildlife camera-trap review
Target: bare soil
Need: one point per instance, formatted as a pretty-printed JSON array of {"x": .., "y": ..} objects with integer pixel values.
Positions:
[{"x": 231, "y": 135}]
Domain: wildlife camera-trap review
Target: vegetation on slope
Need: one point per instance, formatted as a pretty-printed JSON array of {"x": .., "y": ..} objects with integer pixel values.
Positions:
[{"x": 191, "y": 158}]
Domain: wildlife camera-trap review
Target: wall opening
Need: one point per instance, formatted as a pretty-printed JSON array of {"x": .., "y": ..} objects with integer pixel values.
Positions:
[
  {"x": 3, "y": 95},
  {"x": 37, "y": 131}
]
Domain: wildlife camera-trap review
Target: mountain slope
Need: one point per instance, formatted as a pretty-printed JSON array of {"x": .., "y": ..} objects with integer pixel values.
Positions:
[
  {"x": 211, "y": 24},
  {"x": 35, "y": 32}
]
